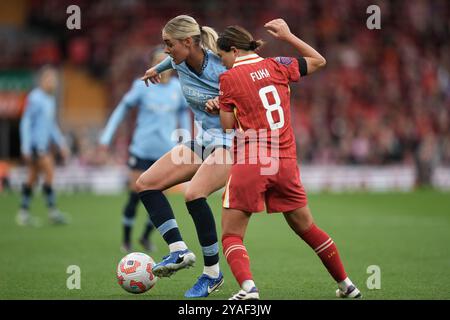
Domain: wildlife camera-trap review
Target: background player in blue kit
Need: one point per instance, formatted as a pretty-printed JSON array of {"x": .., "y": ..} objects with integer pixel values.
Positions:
[
  {"x": 160, "y": 111},
  {"x": 38, "y": 131},
  {"x": 192, "y": 54}
]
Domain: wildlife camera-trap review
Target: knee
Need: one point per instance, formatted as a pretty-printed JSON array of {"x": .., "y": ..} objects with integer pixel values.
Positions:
[
  {"x": 303, "y": 224},
  {"x": 307, "y": 220},
  {"x": 192, "y": 194},
  {"x": 142, "y": 184},
  {"x": 300, "y": 220}
]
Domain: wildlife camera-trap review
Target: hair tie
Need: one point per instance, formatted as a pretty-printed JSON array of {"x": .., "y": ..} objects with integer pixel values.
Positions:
[
  {"x": 253, "y": 45},
  {"x": 201, "y": 29}
]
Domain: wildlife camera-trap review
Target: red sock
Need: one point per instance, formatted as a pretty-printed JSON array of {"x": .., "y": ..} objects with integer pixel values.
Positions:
[
  {"x": 237, "y": 257},
  {"x": 327, "y": 251}
]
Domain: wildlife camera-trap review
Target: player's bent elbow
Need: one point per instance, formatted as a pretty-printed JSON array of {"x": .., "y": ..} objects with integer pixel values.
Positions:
[
  {"x": 321, "y": 63},
  {"x": 317, "y": 65}
]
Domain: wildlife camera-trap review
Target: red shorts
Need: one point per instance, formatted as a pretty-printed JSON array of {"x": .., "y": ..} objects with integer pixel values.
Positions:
[{"x": 248, "y": 189}]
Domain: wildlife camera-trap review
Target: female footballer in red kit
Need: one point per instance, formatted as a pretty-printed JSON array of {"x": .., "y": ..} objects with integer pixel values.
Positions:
[{"x": 255, "y": 97}]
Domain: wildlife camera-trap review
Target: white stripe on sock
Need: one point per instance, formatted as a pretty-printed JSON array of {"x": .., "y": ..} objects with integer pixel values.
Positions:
[
  {"x": 233, "y": 248},
  {"x": 325, "y": 247},
  {"x": 227, "y": 252},
  {"x": 322, "y": 245}
]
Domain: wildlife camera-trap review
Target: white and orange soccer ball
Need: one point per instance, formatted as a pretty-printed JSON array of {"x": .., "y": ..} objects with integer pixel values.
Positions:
[{"x": 135, "y": 273}]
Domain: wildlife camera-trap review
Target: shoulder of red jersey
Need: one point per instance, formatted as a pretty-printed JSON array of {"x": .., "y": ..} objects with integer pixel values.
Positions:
[
  {"x": 284, "y": 60},
  {"x": 289, "y": 66},
  {"x": 225, "y": 75},
  {"x": 287, "y": 62},
  {"x": 224, "y": 79}
]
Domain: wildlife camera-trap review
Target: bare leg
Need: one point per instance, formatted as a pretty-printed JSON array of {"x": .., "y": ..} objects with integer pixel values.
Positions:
[
  {"x": 300, "y": 220},
  {"x": 33, "y": 173},
  {"x": 235, "y": 222},
  {"x": 211, "y": 176},
  {"x": 165, "y": 173},
  {"x": 47, "y": 167}
]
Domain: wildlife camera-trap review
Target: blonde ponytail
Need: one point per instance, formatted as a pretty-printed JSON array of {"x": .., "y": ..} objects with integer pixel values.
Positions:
[
  {"x": 184, "y": 26},
  {"x": 209, "y": 38}
]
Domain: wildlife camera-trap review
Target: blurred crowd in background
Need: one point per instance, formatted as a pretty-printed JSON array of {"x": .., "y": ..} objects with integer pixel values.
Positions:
[{"x": 384, "y": 97}]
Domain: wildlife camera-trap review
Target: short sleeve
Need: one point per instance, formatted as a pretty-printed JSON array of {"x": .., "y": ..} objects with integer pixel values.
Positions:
[
  {"x": 290, "y": 68},
  {"x": 226, "y": 102}
]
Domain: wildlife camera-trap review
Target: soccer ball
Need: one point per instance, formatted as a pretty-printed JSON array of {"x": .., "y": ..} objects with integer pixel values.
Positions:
[{"x": 134, "y": 273}]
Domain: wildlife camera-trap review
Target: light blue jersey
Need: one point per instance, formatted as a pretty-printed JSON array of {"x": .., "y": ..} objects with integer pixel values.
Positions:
[
  {"x": 198, "y": 89},
  {"x": 161, "y": 109},
  {"x": 38, "y": 126}
]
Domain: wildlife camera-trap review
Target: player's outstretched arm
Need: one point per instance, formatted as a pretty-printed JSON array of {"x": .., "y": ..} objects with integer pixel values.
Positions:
[
  {"x": 154, "y": 73},
  {"x": 151, "y": 75},
  {"x": 279, "y": 29}
]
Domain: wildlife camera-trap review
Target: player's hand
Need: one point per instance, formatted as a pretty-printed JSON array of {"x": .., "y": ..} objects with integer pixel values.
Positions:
[
  {"x": 279, "y": 29},
  {"x": 212, "y": 106},
  {"x": 151, "y": 75}
]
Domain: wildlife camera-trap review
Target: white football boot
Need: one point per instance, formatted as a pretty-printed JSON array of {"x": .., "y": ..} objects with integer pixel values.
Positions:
[
  {"x": 253, "y": 294},
  {"x": 351, "y": 292}
]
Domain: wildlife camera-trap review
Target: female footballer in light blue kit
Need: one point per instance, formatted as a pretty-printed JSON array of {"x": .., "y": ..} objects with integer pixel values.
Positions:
[
  {"x": 160, "y": 111},
  {"x": 38, "y": 131},
  {"x": 192, "y": 54}
]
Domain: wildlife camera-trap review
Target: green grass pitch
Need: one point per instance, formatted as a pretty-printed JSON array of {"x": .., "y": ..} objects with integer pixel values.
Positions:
[{"x": 406, "y": 234}]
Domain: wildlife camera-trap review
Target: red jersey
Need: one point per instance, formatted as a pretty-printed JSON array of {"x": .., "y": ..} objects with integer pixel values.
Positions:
[{"x": 257, "y": 91}]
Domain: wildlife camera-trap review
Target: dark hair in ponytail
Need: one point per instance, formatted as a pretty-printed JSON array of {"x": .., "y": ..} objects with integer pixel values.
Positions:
[{"x": 238, "y": 37}]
